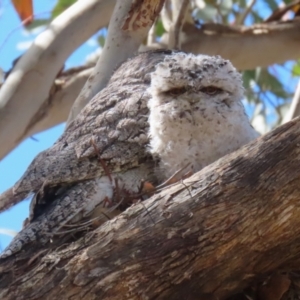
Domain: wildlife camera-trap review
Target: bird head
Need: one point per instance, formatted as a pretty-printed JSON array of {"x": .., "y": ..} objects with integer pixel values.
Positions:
[{"x": 197, "y": 82}]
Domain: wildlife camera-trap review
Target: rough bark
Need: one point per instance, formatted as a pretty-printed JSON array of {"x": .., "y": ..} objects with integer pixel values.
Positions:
[{"x": 214, "y": 233}]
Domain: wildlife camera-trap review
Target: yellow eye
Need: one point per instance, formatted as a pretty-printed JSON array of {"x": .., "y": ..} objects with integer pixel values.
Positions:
[{"x": 211, "y": 90}]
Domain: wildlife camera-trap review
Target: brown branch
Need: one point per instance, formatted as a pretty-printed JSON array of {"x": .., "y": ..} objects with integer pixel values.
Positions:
[
  {"x": 273, "y": 42},
  {"x": 242, "y": 222}
]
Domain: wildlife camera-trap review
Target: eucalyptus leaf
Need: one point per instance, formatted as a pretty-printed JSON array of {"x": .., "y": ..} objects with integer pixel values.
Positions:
[
  {"x": 159, "y": 29},
  {"x": 61, "y": 6},
  {"x": 101, "y": 40},
  {"x": 225, "y": 6},
  {"x": 37, "y": 23},
  {"x": 272, "y": 4},
  {"x": 296, "y": 69},
  {"x": 207, "y": 14}
]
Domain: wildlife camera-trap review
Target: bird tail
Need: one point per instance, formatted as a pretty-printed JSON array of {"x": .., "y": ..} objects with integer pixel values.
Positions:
[{"x": 9, "y": 199}]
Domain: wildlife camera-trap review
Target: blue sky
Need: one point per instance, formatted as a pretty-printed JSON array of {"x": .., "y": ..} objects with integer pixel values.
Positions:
[{"x": 13, "y": 42}]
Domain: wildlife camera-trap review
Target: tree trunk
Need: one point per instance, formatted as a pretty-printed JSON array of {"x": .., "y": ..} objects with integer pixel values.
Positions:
[{"x": 213, "y": 234}]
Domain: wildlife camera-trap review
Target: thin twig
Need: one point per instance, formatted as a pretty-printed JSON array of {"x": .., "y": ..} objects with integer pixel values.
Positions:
[
  {"x": 187, "y": 188},
  {"x": 103, "y": 164},
  {"x": 166, "y": 16},
  {"x": 151, "y": 38},
  {"x": 170, "y": 179},
  {"x": 243, "y": 16},
  {"x": 178, "y": 21},
  {"x": 294, "y": 110}
]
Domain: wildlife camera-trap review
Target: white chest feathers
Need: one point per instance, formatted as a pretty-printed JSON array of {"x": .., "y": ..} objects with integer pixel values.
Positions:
[{"x": 196, "y": 114}]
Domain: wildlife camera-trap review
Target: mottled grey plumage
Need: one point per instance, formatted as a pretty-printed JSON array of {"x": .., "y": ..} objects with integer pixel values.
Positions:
[{"x": 191, "y": 114}]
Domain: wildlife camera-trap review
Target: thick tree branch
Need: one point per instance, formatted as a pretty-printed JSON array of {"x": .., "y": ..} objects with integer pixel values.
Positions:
[
  {"x": 273, "y": 43},
  {"x": 61, "y": 98},
  {"x": 29, "y": 83},
  {"x": 213, "y": 233},
  {"x": 129, "y": 26}
]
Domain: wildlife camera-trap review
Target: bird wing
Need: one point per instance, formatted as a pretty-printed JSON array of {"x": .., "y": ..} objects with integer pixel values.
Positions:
[{"x": 112, "y": 126}]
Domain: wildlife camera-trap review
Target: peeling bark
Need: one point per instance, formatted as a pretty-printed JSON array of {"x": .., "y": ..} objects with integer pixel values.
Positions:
[{"x": 212, "y": 234}]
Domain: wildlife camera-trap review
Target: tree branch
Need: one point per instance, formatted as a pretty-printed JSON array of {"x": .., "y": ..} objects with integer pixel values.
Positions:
[
  {"x": 29, "y": 83},
  {"x": 234, "y": 43},
  {"x": 242, "y": 17},
  {"x": 61, "y": 98},
  {"x": 294, "y": 110},
  {"x": 214, "y": 233},
  {"x": 166, "y": 15},
  {"x": 180, "y": 8},
  {"x": 129, "y": 26}
]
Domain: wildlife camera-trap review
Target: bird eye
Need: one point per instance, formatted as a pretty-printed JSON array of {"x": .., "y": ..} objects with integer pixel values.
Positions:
[
  {"x": 211, "y": 90},
  {"x": 176, "y": 91}
]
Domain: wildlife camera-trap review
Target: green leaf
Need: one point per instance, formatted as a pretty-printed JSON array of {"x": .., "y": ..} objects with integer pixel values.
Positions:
[
  {"x": 207, "y": 13},
  {"x": 241, "y": 3},
  {"x": 225, "y": 7},
  {"x": 159, "y": 29},
  {"x": 269, "y": 82},
  {"x": 256, "y": 17},
  {"x": 101, "y": 40},
  {"x": 37, "y": 23},
  {"x": 272, "y": 4},
  {"x": 248, "y": 78},
  {"x": 60, "y": 6},
  {"x": 296, "y": 69}
]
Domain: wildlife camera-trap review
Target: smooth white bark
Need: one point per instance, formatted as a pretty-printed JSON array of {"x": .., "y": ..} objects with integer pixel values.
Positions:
[
  {"x": 247, "y": 48},
  {"x": 294, "y": 110},
  {"x": 125, "y": 34},
  {"x": 273, "y": 43},
  {"x": 29, "y": 83},
  {"x": 60, "y": 102}
]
